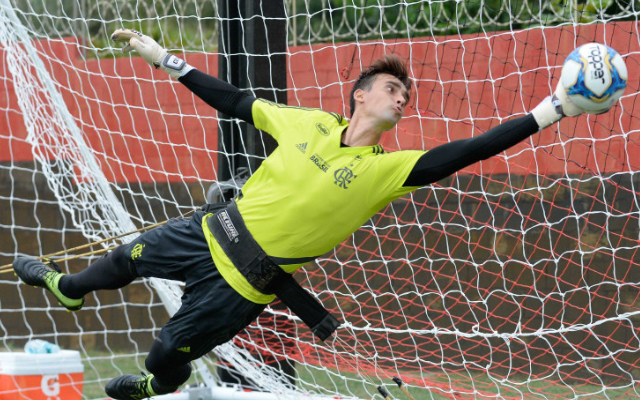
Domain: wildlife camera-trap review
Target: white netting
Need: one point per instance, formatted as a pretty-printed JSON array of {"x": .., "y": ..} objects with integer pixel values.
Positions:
[{"x": 516, "y": 278}]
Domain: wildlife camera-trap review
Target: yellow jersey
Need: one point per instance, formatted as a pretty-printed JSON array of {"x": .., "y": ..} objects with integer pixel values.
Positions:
[{"x": 311, "y": 193}]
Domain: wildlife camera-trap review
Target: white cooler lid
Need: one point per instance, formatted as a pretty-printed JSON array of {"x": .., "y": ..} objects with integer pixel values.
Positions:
[{"x": 19, "y": 363}]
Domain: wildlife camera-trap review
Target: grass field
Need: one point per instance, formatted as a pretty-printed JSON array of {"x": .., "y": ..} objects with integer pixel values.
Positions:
[{"x": 100, "y": 367}]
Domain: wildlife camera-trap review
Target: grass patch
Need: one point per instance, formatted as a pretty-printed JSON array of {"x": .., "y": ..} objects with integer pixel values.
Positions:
[{"x": 101, "y": 366}]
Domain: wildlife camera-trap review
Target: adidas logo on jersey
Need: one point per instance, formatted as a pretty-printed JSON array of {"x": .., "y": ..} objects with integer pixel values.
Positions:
[{"x": 302, "y": 147}]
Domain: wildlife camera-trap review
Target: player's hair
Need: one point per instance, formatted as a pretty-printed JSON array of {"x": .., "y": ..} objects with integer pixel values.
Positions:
[{"x": 390, "y": 64}]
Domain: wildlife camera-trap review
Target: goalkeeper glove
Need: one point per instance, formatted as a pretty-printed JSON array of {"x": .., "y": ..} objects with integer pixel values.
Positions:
[
  {"x": 151, "y": 52},
  {"x": 554, "y": 107}
]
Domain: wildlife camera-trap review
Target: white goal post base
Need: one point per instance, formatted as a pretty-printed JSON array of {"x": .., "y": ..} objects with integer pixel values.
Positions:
[{"x": 235, "y": 392}]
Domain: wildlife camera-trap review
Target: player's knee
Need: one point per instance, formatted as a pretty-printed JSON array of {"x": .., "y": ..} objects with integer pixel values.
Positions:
[
  {"x": 169, "y": 367},
  {"x": 119, "y": 258},
  {"x": 171, "y": 376}
]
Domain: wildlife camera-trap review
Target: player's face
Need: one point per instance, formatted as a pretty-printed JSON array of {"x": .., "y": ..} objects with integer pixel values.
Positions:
[{"x": 386, "y": 100}]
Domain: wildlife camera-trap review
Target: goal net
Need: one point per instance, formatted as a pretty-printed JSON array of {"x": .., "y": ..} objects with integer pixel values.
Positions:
[{"x": 518, "y": 277}]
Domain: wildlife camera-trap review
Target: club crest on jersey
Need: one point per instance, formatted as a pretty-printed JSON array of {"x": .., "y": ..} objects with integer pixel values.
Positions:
[
  {"x": 324, "y": 131},
  {"x": 344, "y": 176}
]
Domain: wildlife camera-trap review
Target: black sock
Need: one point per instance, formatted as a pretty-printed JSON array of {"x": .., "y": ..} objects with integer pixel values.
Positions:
[
  {"x": 169, "y": 368},
  {"x": 158, "y": 388},
  {"x": 112, "y": 271}
]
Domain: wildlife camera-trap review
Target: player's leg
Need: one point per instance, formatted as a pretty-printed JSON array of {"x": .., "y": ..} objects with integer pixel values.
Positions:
[
  {"x": 112, "y": 271},
  {"x": 212, "y": 313},
  {"x": 169, "y": 370},
  {"x": 168, "y": 367},
  {"x": 159, "y": 252}
]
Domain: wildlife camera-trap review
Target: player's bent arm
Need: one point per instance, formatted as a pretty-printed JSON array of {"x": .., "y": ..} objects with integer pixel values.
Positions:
[
  {"x": 220, "y": 95},
  {"x": 444, "y": 160}
]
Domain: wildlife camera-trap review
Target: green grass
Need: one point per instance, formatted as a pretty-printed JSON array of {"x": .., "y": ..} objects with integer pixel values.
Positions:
[
  {"x": 331, "y": 382},
  {"x": 100, "y": 367}
]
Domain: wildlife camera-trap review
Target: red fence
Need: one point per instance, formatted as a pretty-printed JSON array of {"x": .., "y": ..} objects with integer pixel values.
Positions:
[{"x": 145, "y": 128}]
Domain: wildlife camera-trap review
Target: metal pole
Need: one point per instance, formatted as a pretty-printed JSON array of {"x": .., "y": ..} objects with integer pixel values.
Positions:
[{"x": 252, "y": 56}]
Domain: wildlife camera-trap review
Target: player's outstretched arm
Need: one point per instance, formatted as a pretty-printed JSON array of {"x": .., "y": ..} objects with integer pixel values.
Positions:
[
  {"x": 447, "y": 159},
  {"x": 220, "y": 95}
]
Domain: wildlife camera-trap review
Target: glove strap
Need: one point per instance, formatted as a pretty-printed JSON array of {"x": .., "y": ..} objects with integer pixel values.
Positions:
[
  {"x": 174, "y": 66},
  {"x": 548, "y": 111}
]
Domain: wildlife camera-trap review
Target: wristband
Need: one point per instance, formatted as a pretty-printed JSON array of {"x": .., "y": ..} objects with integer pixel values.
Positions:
[{"x": 174, "y": 66}]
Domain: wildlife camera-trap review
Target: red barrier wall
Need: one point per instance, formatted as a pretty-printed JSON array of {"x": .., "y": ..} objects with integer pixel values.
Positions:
[
  {"x": 464, "y": 85},
  {"x": 488, "y": 78},
  {"x": 142, "y": 126}
]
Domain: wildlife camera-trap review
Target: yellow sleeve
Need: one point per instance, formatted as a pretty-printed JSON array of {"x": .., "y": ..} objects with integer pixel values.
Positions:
[
  {"x": 282, "y": 121},
  {"x": 392, "y": 171}
]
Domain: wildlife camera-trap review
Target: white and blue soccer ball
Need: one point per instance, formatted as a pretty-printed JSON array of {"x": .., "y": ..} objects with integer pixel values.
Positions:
[{"x": 594, "y": 77}]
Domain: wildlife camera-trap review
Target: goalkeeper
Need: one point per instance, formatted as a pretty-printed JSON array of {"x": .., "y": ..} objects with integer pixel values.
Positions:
[{"x": 327, "y": 177}]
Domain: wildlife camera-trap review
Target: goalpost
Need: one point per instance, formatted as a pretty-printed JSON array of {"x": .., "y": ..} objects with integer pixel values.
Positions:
[{"x": 518, "y": 277}]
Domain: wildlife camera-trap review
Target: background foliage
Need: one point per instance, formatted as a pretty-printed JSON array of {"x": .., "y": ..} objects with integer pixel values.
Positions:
[{"x": 191, "y": 25}]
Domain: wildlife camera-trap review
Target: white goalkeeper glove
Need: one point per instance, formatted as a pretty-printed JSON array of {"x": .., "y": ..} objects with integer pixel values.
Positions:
[
  {"x": 151, "y": 52},
  {"x": 554, "y": 107}
]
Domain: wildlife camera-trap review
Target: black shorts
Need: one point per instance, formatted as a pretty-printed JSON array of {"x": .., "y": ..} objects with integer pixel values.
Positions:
[{"x": 212, "y": 312}]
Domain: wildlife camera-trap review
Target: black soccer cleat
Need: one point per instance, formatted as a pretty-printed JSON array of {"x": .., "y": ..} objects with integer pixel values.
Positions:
[
  {"x": 34, "y": 273},
  {"x": 130, "y": 387}
]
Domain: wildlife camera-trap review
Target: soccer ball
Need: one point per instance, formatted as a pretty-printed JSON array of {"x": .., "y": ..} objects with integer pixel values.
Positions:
[{"x": 594, "y": 77}]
